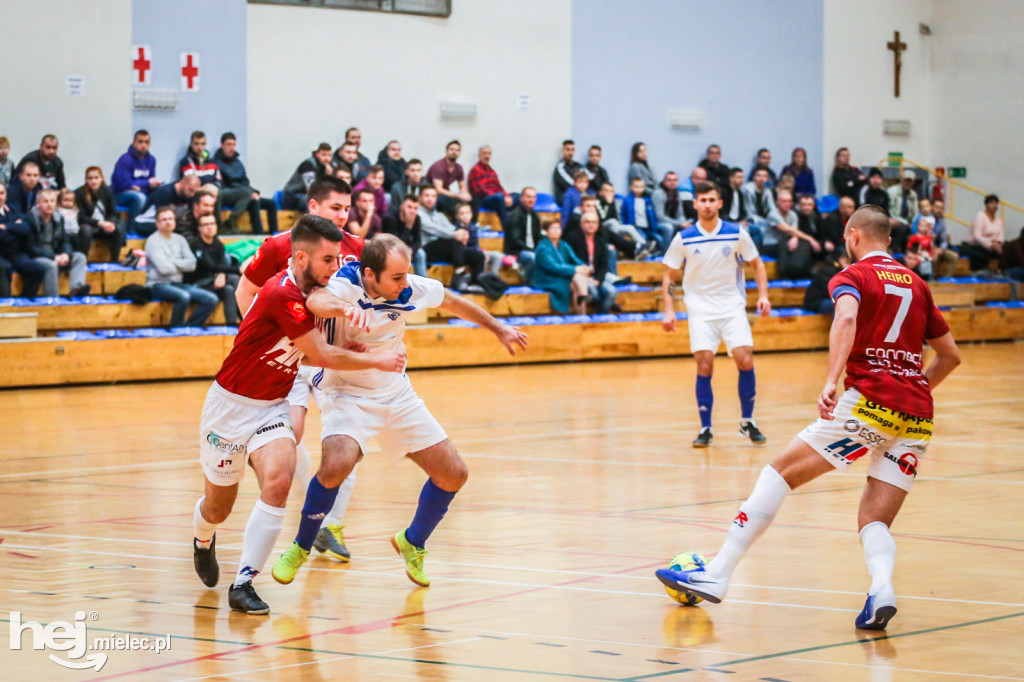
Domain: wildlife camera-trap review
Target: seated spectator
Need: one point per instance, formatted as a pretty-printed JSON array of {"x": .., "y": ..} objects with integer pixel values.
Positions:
[
  {"x": 846, "y": 179},
  {"x": 356, "y": 162},
  {"x": 564, "y": 175},
  {"x": 390, "y": 159},
  {"x": 796, "y": 250},
  {"x": 764, "y": 160},
  {"x": 215, "y": 272},
  {"x": 347, "y": 158},
  {"x": 177, "y": 195},
  {"x": 667, "y": 202},
  {"x": 168, "y": 258},
  {"x": 816, "y": 296},
  {"x": 717, "y": 172},
  {"x": 573, "y": 195},
  {"x": 23, "y": 190},
  {"x": 733, "y": 208},
  {"x": 15, "y": 253},
  {"x": 410, "y": 186},
  {"x": 134, "y": 175},
  {"x": 902, "y": 210},
  {"x": 523, "y": 233},
  {"x": 51, "y": 246},
  {"x": 364, "y": 220},
  {"x": 608, "y": 214},
  {"x": 197, "y": 161},
  {"x": 80, "y": 240},
  {"x": 406, "y": 226},
  {"x": 617, "y": 241},
  {"x": 448, "y": 178},
  {"x": 559, "y": 272},
  {"x": 639, "y": 169},
  {"x": 486, "y": 189},
  {"x": 97, "y": 213},
  {"x": 808, "y": 221},
  {"x": 945, "y": 257},
  {"x": 464, "y": 221},
  {"x": 985, "y": 242},
  {"x": 442, "y": 243},
  {"x": 6, "y": 165},
  {"x": 344, "y": 174},
  {"x": 762, "y": 216},
  {"x": 786, "y": 182},
  {"x": 186, "y": 219},
  {"x": 595, "y": 171},
  {"x": 237, "y": 192},
  {"x": 1011, "y": 260},
  {"x": 51, "y": 168},
  {"x": 873, "y": 192},
  {"x": 920, "y": 252},
  {"x": 293, "y": 196},
  {"x": 833, "y": 226},
  {"x": 638, "y": 212},
  {"x": 591, "y": 247},
  {"x": 803, "y": 176},
  {"x": 374, "y": 184},
  {"x": 924, "y": 210}
]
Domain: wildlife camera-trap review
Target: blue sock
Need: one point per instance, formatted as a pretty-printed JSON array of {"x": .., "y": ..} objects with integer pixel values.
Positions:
[
  {"x": 705, "y": 400},
  {"x": 319, "y": 501},
  {"x": 747, "y": 389},
  {"x": 431, "y": 509}
]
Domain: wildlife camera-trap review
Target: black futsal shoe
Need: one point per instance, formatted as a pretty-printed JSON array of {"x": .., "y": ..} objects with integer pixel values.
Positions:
[
  {"x": 205, "y": 561},
  {"x": 704, "y": 439},
  {"x": 751, "y": 431},
  {"x": 244, "y": 598}
]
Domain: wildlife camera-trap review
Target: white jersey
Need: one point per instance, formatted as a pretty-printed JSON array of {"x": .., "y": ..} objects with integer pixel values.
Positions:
[
  {"x": 387, "y": 329},
  {"x": 713, "y": 283}
]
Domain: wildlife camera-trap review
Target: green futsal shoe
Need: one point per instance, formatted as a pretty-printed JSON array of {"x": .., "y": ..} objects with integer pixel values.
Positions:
[
  {"x": 289, "y": 563},
  {"x": 413, "y": 556}
]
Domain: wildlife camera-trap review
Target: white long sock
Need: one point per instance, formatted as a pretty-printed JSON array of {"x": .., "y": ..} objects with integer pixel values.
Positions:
[
  {"x": 754, "y": 517},
  {"x": 201, "y": 528},
  {"x": 261, "y": 531},
  {"x": 341, "y": 502},
  {"x": 300, "y": 479},
  {"x": 879, "y": 554}
]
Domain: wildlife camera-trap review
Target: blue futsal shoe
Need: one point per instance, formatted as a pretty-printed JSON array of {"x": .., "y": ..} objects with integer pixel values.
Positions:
[
  {"x": 696, "y": 581},
  {"x": 878, "y": 610}
]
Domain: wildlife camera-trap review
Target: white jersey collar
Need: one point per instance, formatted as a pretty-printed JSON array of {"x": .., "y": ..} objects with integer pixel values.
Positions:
[{"x": 718, "y": 227}]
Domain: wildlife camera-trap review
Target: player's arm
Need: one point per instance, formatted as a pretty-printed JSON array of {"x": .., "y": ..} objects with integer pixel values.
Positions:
[
  {"x": 245, "y": 292},
  {"x": 325, "y": 304},
  {"x": 668, "y": 290},
  {"x": 947, "y": 358},
  {"x": 764, "y": 306},
  {"x": 510, "y": 337},
  {"x": 322, "y": 354},
  {"x": 840, "y": 343}
]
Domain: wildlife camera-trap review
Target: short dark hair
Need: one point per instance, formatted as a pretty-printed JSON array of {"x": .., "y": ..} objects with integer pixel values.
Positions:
[
  {"x": 310, "y": 229},
  {"x": 322, "y": 147},
  {"x": 228, "y": 136},
  {"x": 734, "y": 170},
  {"x": 459, "y": 205},
  {"x": 713, "y": 146},
  {"x": 762, "y": 149},
  {"x": 428, "y": 188},
  {"x": 375, "y": 168},
  {"x": 139, "y": 133},
  {"x": 323, "y": 187},
  {"x": 704, "y": 188},
  {"x": 528, "y": 187},
  {"x": 875, "y": 170},
  {"x": 760, "y": 167},
  {"x": 595, "y": 146},
  {"x": 26, "y": 164},
  {"x": 451, "y": 142},
  {"x": 196, "y": 134},
  {"x": 587, "y": 198},
  {"x": 565, "y": 142},
  {"x": 162, "y": 210},
  {"x": 48, "y": 136},
  {"x": 201, "y": 194},
  {"x": 991, "y": 197},
  {"x": 411, "y": 197},
  {"x": 364, "y": 191},
  {"x": 350, "y": 130},
  {"x": 412, "y": 161},
  {"x": 375, "y": 253},
  {"x": 872, "y": 219},
  {"x": 841, "y": 150}
]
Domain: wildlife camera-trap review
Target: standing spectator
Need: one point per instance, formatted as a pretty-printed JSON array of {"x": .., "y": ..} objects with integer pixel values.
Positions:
[
  {"x": 873, "y": 192},
  {"x": 732, "y": 208},
  {"x": 668, "y": 202},
  {"x": 902, "y": 210},
  {"x": 559, "y": 272},
  {"x": 447, "y": 173},
  {"x": 390, "y": 159},
  {"x": 846, "y": 179},
  {"x": 985, "y": 241},
  {"x": 833, "y": 226},
  {"x": 51, "y": 246},
  {"x": 364, "y": 220},
  {"x": 15, "y": 253},
  {"x": 197, "y": 161},
  {"x": 764, "y": 160},
  {"x": 358, "y": 164},
  {"x": 442, "y": 243},
  {"x": 215, "y": 272},
  {"x": 590, "y": 245},
  {"x": 639, "y": 169},
  {"x": 572, "y": 197},
  {"x": 6, "y": 165},
  {"x": 51, "y": 168},
  {"x": 406, "y": 226},
  {"x": 485, "y": 187},
  {"x": 168, "y": 258},
  {"x": 134, "y": 175},
  {"x": 464, "y": 221},
  {"x": 803, "y": 176},
  {"x": 374, "y": 184},
  {"x": 523, "y": 233},
  {"x": 564, "y": 175},
  {"x": 597, "y": 173},
  {"x": 718, "y": 172},
  {"x": 638, "y": 212},
  {"x": 410, "y": 186},
  {"x": 945, "y": 257},
  {"x": 237, "y": 192},
  {"x": 318, "y": 165},
  {"x": 97, "y": 212},
  {"x": 23, "y": 191},
  {"x": 762, "y": 215},
  {"x": 186, "y": 218}
]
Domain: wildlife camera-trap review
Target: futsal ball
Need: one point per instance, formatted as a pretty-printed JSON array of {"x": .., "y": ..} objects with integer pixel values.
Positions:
[{"x": 687, "y": 561}]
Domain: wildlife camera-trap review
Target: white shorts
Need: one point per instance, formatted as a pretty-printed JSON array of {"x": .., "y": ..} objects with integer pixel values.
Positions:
[
  {"x": 303, "y": 386},
  {"x": 706, "y": 334},
  {"x": 895, "y": 441},
  {"x": 401, "y": 423},
  {"x": 232, "y": 426}
]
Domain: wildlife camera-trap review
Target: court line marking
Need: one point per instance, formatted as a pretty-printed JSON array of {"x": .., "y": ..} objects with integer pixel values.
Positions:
[
  {"x": 152, "y": 634},
  {"x": 907, "y": 670},
  {"x": 115, "y": 467}
]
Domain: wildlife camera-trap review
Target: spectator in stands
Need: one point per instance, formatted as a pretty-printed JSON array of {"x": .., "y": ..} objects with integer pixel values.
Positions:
[
  {"x": 808, "y": 221},
  {"x": 590, "y": 244},
  {"x": 523, "y": 233},
  {"x": 197, "y": 161},
  {"x": 51, "y": 168},
  {"x": 833, "y": 225},
  {"x": 51, "y": 246},
  {"x": 763, "y": 159},
  {"x": 597, "y": 173},
  {"x": 237, "y": 192},
  {"x": 315, "y": 167},
  {"x": 668, "y": 202},
  {"x": 924, "y": 210},
  {"x": 717, "y": 172},
  {"x": 464, "y": 221},
  {"x": 902, "y": 210},
  {"x": 97, "y": 213},
  {"x": 346, "y": 158},
  {"x": 985, "y": 241},
  {"x": 920, "y": 252},
  {"x": 588, "y": 203},
  {"x": 1011, "y": 260},
  {"x": 803, "y": 176},
  {"x": 410, "y": 186},
  {"x": 564, "y": 175},
  {"x": 444, "y": 244},
  {"x": 846, "y": 179},
  {"x": 573, "y": 195},
  {"x": 406, "y": 226},
  {"x": 762, "y": 215},
  {"x": 639, "y": 168},
  {"x": 733, "y": 208},
  {"x": 445, "y": 174},
  {"x": 134, "y": 175},
  {"x": 364, "y": 220},
  {"x": 186, "y": 218},
  {"x": 486, "y": 189},
  {"x": 638, "y": 212},
  {"x": 68, "y": 210},
  {"x": 15, "y": 254},
  {"x": 374, "y": 183},
  {"x": 795, "y": 251},
  {"x": 358, "y": 164},
  {"x": 215, "y": 272},
  {"x": 816, "y": 296},
  {"x": 559, "y": 272},
  {"x": 945, "y": 257},
  {"x": 390, "y": 159},
  {"x": 873, "y": 192},
  {"x": 6, "y": 165},
  {"x": 168, "y": 258},
  {"x": 344, "y": 174},
  {"x": 22, "y": 192},
  {"x": 608, "y": 214}
]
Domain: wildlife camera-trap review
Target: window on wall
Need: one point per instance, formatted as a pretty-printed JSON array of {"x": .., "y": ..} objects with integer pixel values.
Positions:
[{"x": 435, "y": 8}]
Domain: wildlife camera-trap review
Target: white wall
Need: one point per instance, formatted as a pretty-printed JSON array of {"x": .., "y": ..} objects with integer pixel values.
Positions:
[
  {"x": 44, "y": 43},
  {"x": 312, "y": 73}
]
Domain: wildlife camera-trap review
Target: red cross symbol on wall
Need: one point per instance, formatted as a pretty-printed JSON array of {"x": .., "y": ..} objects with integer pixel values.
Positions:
[
  {"x": 189, "y": 71},
  {"x": 141, "y": 64}
]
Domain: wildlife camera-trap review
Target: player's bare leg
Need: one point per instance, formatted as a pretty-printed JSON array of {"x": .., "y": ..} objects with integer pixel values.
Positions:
[
  {"x": 210, "y": 511},
  {"x": 879, "y": 505},
  {"x": 705, "y": 396},
  {"x": 448, "y": 473},
  {"x": 747, "y": 388}
]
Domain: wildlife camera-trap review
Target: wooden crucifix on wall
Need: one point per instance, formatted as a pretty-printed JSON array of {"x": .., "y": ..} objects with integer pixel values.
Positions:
[{"x": 897, "y": 53}]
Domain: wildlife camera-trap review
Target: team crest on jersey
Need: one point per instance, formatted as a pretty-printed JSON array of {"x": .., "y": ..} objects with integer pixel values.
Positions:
[
  {"x": 393, "y": 316},
  {"x": 298, "y": 310},
  {"x": 256, "y": 258},
  {"x": 726, "y": 250}
]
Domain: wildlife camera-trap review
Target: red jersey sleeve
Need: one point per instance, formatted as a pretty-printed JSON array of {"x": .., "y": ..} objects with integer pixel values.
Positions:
[
  {"x": 265, "y": 264},
  {"x": 288, "y": 309},
  {"x": 845, "y": 282}
]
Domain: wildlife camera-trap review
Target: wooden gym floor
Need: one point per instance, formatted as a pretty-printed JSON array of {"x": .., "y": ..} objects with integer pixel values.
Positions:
[{"x": 582, "y": 482}]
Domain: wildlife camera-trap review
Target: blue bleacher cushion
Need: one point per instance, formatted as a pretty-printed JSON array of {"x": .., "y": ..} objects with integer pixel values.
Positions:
[
  {"x": 828, "y": 203},
  {"x": 277, "y": 199},
  {"x": 459, "y": 322},
  {"x": 489, "y": 234},
  {"x": 546, "y": 204}
]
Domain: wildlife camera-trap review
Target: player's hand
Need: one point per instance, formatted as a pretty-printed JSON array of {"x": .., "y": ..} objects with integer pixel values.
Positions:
[
  {"x": 827, "y": 401},
  {"x": 668, "y": 322},
  {"x": 510, "y": 337},
  {"x": 358, "y": 318},
  {"x": 764, "y": 306},
  {"x": 389, "y": 361},
  {"x": 356, "y": 347}
]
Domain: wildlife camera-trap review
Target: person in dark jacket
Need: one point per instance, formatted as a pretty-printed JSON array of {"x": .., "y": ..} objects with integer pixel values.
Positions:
[
  {"x": 595, "y": 171},
  {"x": 24, "y": 189},
  {"x": 14, "y": 252},
  {"x": 215, "y": 271},
  {"x": 174, "y": 194},
  {"x": 846, "y": 179},
  {"x": 873, "y": 192},
  {"x": 51, "y": 246},
  {"x": 357, "y": 163},
  {"x": 313, "y": 168},
  {"x": 563, "y": 177},
  {"x": 522, "y": 233},
  {"x": 406, "y": 226},
  {"x": 197, "y": 161},
  {"x": 590, "y": 245},
  {"x": 816, "y": 298},
  {"x": 97, "y": 213},
  {"x": 390, "y": 159},
  {"x": 51, "y": 168},
  {"x": 134, "y": 175},
  {"x": 237, "y": 192}
]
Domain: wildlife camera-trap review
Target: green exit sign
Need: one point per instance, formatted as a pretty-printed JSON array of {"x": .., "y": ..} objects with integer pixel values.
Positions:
[
  {"x": 957, "y": 172},
  {"x": 895, "y": 158}
]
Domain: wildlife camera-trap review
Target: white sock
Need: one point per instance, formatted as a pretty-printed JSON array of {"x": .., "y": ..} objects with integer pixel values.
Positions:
[
  {"x": 754, "y": 517},
  {"x": 261, "y": 531},
  {"x": 879, "y": 554},
  {"x": 337, "y": 512},
  {"x": 300, "y": 479},
  {"x": 201, "y": 528}
]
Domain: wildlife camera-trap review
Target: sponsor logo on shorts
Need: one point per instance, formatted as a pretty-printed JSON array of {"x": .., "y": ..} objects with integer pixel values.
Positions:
[
  {"x": 847, "y": 450},
  {"x": 741, "y": 519},
  {"x": 852, "y": 426},
  {"x": 924, "y": 430},
  {"x": 278, "y": 425},
  {"x": 222, "y": 445},
  {"x": 907, "y": 462}
]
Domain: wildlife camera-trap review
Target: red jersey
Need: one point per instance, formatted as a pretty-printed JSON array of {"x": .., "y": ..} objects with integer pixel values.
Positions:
[
  {"x": 896, "y": 316},
  {"x": 276, "y": 251},
  {"x": 263, "y": 362}
]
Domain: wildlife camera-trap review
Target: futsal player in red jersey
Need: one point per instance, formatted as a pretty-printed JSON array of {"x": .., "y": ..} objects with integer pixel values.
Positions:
[
  {"x": 884, "y": 315},
  {"x": 245, "y": 416}
]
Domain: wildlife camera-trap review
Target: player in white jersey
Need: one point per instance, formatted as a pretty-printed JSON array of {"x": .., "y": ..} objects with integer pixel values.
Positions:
[
  {"x": 714, "y": 291},
  {"x": 358, "y": 406}
]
